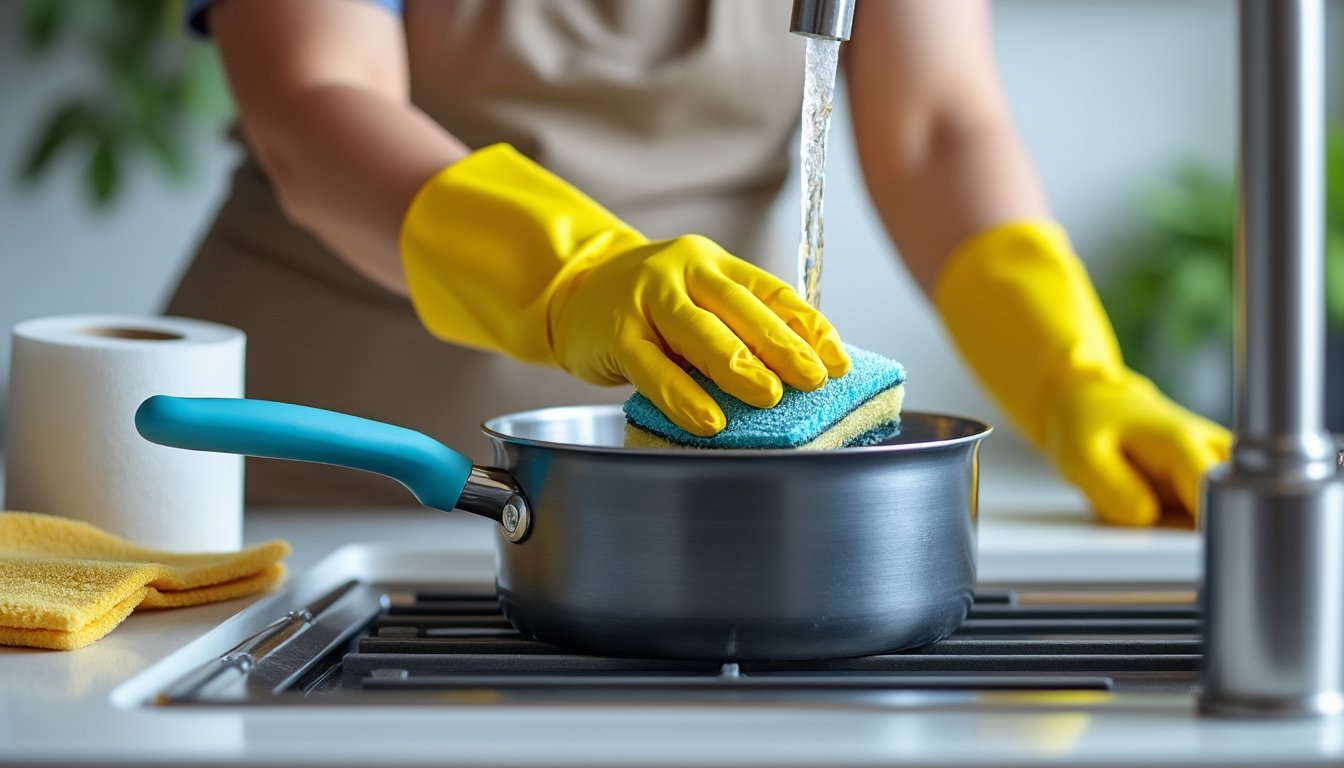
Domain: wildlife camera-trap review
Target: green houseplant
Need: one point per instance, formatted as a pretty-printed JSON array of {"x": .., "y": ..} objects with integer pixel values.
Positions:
[
  {"x": 1173, "y": 297},
  {"x": 151, "y": 85}
]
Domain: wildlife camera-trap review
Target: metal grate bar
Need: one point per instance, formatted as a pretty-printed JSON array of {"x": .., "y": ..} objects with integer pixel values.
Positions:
[
  {"x": 405, "y": 607},
  {"x": 647, "y": 684},
  {"x": 474, "y": 620},
  {"x": 1101, "y": 664},
  {"x": 488, "y": 663},
  {"x": 1068, "y": 626},
  {"x": 1059, "y": 612},
  {"x": 456, "y": 646},
  {"x": 1132, "y": 646}
]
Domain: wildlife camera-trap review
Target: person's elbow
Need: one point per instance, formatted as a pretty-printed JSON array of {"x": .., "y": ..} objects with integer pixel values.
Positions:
[
  {"x": 926, "y": 135},
  {"x": 285, "y": 172}
]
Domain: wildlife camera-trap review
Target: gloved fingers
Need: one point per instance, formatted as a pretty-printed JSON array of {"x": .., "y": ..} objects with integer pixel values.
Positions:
[
  {"x": 1220, "y": 443},
  {"x": 805, "y": 320},
  {"x": 670, "y": 388},
  {"x": 1177, "y": 457},
  {"x": 1213, "y": 435},
  {"x": 1117, "y": 490},
  {"x": 1211, "y": 457},
  {"x": 764, "y": 333},
  {"x": 707, "y": 343}
]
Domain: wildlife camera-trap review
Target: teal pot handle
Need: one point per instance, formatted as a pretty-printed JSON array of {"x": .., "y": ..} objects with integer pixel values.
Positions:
[{"x": 438, "y": 476}]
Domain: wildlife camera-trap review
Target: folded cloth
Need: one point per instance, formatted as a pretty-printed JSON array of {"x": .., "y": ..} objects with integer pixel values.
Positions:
[
  {"x": 863, "y": 407},
  {"x": 65, "y": 583}
]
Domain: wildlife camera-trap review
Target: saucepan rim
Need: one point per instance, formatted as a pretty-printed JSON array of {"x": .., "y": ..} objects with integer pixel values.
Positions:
[{"x": 975, "y": 430}]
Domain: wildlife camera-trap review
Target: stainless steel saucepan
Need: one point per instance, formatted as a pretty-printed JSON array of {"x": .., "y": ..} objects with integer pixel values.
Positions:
[{"x": 703, "y": 554}]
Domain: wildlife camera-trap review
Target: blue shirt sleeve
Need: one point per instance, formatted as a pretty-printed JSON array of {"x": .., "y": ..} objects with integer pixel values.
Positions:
[{"x": 196, "y": 13}]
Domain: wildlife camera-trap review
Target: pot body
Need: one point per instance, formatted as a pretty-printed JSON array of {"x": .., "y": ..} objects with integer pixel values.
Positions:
[{"x": 738, "y": 555}]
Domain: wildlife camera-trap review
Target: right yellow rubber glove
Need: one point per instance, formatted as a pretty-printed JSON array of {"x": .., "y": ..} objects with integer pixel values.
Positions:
[
  {"x": 1021, "y": 308},
  {"x": 500, "y": 254}
]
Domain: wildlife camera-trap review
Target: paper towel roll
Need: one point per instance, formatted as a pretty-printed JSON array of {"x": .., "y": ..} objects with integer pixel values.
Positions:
[{"x": 71, "y": 445}]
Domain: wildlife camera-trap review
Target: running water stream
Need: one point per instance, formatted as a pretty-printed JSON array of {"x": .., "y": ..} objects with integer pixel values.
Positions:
[{"x": 818, "y": 93}]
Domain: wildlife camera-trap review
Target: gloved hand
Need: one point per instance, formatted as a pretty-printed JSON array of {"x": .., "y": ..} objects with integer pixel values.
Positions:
[
  {"x": 1022, "y": 310},
  {"x": 500, "y": 254}
]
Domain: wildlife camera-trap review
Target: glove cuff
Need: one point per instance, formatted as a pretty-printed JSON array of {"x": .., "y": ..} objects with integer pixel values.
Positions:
[
  {"x": 485, "y": 245},
  {"x": 1022, "y": 310}
]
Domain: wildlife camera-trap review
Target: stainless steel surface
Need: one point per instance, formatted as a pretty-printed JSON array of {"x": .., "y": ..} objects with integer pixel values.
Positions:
[
  {"x": 1274, "y": 517},
  {"x": 239, "y": 668},
  {"x": 492, "y": 493},
  {"x": 830, "y": 19},
  {"x": 738, "y": 554}
]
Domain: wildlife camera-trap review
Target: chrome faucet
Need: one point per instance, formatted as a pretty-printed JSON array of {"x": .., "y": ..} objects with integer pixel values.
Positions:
[
  {"x": 829, "y": 19},
  {"x": 1273, "y": 593}
]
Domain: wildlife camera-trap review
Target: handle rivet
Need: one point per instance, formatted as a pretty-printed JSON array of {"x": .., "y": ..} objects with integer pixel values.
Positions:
[{"x": 510, "y": 518}]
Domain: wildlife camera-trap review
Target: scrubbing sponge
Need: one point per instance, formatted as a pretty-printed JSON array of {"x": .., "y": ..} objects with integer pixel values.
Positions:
[{"x": 860, "y": 408}]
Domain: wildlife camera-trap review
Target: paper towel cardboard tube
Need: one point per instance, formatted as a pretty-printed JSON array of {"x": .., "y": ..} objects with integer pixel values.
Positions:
[{"x": 143, "y": 334}]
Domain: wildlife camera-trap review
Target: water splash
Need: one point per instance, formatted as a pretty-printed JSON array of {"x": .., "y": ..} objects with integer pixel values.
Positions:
[{"x": 818, "y": 94}]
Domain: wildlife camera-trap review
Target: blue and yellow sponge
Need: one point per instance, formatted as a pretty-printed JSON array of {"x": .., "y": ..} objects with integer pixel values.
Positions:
[{"x": 863, "y": 407}]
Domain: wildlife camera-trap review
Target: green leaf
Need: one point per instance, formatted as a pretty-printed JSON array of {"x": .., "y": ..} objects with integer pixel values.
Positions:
[
  {"x": 104, "y": 170},
  {"x": 1334, "y": 225},
  {"x": 1198, "y": 207},
  {"x": 1129, "y": 301},
  {"x": 63, "y": 127},
  {"x": 173, "y": 15},
  {"x": 143, "y": 101},
  {"x": 205, "y": 89},
  {"x": 1334, "y": 280},
  {"x": 1334, "y": 178},
  {"x": 167, "y": 150},
  {"x": 1199, "y": 292},
  {"x": 155, "y": 84},
  {"x": 43, "y": 22}
]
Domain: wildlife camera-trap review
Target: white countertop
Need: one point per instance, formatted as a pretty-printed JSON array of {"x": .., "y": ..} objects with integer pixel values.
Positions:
[{"x": 79, "y": 708}]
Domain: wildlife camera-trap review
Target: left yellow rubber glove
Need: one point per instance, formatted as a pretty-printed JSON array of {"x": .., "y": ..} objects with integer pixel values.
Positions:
[
  {"x": 501, "y": 254},
  {"x": 1021, "y": 308}
]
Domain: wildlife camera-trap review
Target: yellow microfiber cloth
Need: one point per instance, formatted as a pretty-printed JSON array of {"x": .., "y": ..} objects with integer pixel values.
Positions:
[{"x": 65, "y": 583}]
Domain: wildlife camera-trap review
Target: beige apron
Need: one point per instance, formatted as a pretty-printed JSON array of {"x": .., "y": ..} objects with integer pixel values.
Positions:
[{"x": 677, "y": 115}]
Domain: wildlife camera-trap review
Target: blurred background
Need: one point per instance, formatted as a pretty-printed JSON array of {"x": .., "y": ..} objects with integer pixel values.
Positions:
[{"x": 113, "y": 156}]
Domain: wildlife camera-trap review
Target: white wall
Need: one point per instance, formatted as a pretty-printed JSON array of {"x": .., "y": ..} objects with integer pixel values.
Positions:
[{"x": 1110, "y": 95}]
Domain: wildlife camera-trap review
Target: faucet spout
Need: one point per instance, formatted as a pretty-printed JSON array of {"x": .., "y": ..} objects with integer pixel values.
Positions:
[{"x": 827, "y": 19}]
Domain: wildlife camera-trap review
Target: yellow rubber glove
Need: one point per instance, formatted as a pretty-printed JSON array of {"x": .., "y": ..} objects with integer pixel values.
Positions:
[
  {"x": 502, "y": 255},
  {"x": 1021, "y": 308}
]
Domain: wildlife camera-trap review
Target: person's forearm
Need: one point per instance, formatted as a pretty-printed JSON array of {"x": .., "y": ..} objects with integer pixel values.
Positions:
[
  {"x": 951, "y": 182},
  {"x": 346, "y": 163},
  {"x": 323, "y": 95},
  {"x": 935, "y": 137}
]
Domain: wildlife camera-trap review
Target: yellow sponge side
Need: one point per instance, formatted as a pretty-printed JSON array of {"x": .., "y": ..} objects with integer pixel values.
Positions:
[{"x": 883, "y": 408}]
